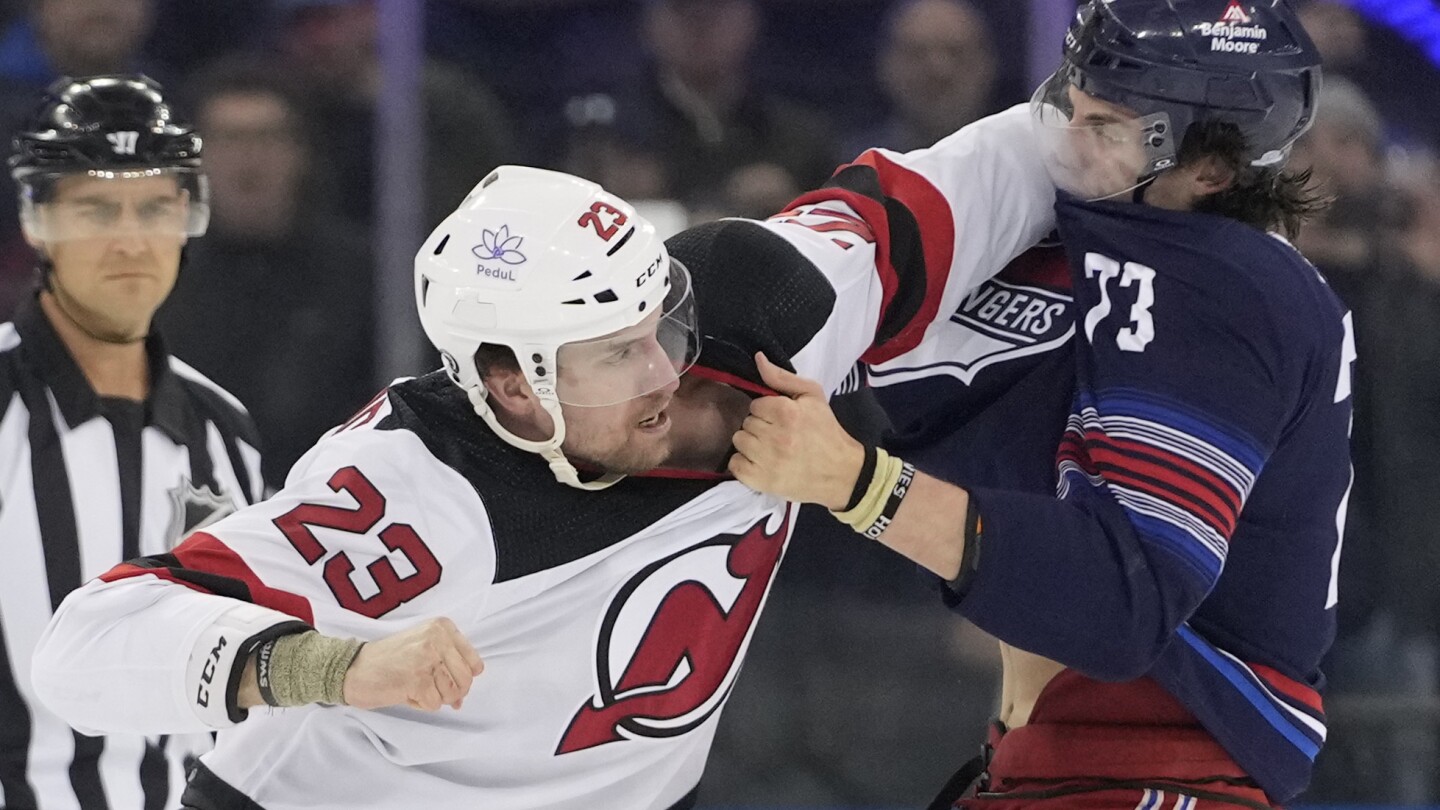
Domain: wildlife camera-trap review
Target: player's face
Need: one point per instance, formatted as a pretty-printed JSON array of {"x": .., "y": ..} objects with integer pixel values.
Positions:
[
  {"x": 1106, "y": 140},
  {"x": 705, "y": 415},
  {"x": 115, "y": 248},
  {"x": 614, "y": 393},
  {"x": 1093, "y": 149},
  {"x": 631, "y": 437}
]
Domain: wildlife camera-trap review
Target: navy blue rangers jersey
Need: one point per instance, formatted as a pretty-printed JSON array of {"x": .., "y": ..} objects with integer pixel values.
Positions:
[
  {"x": 86, "y": 482},
  {"x": 1202, "y": 474}
]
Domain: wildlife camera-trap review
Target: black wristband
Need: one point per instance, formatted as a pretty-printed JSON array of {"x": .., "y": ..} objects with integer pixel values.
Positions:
[
  {"x": 970, "y": 561},
  {"x": 892, "y": 504},
  {"x": 262, "y": 672},
  {"x": 862, "y": 483}
]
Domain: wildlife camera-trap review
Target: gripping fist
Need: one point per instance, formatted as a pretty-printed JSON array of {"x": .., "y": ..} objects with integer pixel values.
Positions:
[
  {"x": 792, "y": 446},
  {"x": 426, "y": 667}
]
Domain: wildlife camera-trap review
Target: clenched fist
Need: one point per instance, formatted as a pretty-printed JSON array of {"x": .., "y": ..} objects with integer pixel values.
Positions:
[{"x": 426, "y": 667}]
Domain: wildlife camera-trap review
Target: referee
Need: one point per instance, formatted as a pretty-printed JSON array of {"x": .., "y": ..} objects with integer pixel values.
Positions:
[{"x": 109, "y": 448}]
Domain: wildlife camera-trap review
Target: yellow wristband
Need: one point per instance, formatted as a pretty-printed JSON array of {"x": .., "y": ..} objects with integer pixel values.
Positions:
[{"x": 887, "y": 472}]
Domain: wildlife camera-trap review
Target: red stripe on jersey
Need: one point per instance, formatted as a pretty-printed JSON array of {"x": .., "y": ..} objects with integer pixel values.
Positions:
[
  {"x": 204, "y": 554},
  {"x": 1167, "y": 475},
  {"x": 1043, "y": 266},
  {"x": 126, "y": 570},
  {"x": 1121, "y": 476},
  {"x": 937, "y": 239},
  {"x": 1072, "y": 448},
  {"x": 731, "y": 380},
  {"x": 874, "y": 215},
  {"x": 688, "y": 475},
  {"x": 1291, "y": 688}
]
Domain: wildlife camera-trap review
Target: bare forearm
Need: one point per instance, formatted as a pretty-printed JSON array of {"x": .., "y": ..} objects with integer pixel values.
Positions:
[
  {"x": 929, "y": 526},
  {"x": 793, "y": 447},
  {"x": 249, "y": 695}
]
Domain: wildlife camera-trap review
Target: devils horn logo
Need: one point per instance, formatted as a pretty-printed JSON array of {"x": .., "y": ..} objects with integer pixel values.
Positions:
[{"x": 673, "y": 638}]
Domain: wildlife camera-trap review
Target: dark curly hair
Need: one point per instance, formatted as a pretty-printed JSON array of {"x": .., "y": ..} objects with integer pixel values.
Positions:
[{"x": 1266, "y": 198}]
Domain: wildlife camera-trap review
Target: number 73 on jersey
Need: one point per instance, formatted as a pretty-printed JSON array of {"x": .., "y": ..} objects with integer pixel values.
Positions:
[{"x": 1140, "y": 328}]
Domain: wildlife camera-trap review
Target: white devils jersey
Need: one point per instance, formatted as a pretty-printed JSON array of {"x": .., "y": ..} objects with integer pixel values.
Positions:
[{"x": 612, "y": 624}]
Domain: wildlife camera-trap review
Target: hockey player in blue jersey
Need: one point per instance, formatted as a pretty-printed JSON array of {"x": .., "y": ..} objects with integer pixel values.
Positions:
[{"x": 1164, "y": 598}]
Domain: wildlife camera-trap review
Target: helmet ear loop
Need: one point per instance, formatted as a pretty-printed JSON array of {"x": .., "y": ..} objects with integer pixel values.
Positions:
[
  {"x": 548, "y": 449},
  {"x": 1157, "y": 139},
  {"x": 1138, "y": 195},
  {"x": 561, "y": 466}
]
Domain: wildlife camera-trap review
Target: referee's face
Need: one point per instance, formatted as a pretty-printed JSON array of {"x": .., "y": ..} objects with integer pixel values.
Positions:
[{"x": 120, "y": 252}]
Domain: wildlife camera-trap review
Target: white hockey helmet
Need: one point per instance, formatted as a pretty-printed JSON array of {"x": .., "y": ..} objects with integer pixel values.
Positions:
[{"x": 550, "y": 265}]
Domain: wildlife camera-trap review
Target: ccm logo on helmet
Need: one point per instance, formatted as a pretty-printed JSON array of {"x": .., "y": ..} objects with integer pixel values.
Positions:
[{"x": 648, "y": 274}]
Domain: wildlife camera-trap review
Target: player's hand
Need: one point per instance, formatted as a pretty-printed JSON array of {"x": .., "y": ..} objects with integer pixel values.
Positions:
[
  {"x": 426, "y": 667},
  {"x": 792, "y": 446}
]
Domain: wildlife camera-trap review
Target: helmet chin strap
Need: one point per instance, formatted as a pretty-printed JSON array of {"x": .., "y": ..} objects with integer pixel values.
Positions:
[
  {"x": 1138, "y": 195},
  {"x": 549, "y": 449}
]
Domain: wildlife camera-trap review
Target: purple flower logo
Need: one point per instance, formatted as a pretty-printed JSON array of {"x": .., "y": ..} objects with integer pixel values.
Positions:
[{"x": 500, "y": 245}]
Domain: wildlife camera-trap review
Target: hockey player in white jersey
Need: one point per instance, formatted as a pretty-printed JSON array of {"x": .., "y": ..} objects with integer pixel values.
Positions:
[{"x": 584, "y": 634}]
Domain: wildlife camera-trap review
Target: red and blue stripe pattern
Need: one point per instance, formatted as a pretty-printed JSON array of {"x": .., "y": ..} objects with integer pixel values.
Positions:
[
  {"x": 1289, "y": 707},
  {"x": 1180, "y": 477},
  {"x": 1272, "y": 724}
]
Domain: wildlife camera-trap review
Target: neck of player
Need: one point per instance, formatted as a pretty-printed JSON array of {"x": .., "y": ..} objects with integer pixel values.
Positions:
[{"x": 704, "y": 417}]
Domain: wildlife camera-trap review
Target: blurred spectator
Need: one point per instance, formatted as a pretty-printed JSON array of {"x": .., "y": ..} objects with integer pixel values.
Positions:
[
  {"x": 275, "y": 300},
  {"x": 331, "y": 45},
  {"x": 1387, "y": 643},
  {"x": 1338, "y": 32},
  {"x": 75, "y": 38},
  {"x": 619, "y": 153},
  {"x": 725, "y": 143},
  {"x": 188, "y": 34},
  {"x": 1345, "y": 150},
  {"x": 57, "y": 38},
  {"x": 938, "y": 69},
  {"x": 1371, "y": 57}
]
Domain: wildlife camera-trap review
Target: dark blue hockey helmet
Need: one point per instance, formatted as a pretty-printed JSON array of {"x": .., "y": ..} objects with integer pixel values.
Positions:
[{"x": 1176, "y": 63}]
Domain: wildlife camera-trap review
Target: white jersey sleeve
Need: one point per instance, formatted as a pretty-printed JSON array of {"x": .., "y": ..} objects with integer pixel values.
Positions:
[
  {"x": 370, "y": 535},
  {"x": 903, "y": 238},
  {"x": 860, "y": 269}
]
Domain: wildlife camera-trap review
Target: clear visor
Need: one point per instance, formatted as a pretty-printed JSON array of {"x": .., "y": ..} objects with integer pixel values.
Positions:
[
  {"x": 637, "y": 360},
  {"x": 60, "y": 207},
  {"x": 1095, "y": 150}
]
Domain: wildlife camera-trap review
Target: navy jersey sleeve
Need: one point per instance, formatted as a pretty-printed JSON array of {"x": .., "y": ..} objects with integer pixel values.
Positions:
[{"x": 1188, "y": 376}]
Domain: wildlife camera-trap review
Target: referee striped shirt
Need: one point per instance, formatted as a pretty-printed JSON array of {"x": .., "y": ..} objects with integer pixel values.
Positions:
[{"x": 87, "y": 482}]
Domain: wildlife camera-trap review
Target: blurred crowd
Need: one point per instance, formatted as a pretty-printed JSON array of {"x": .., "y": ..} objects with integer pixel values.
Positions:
[{"x": 861, "y": 689}]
